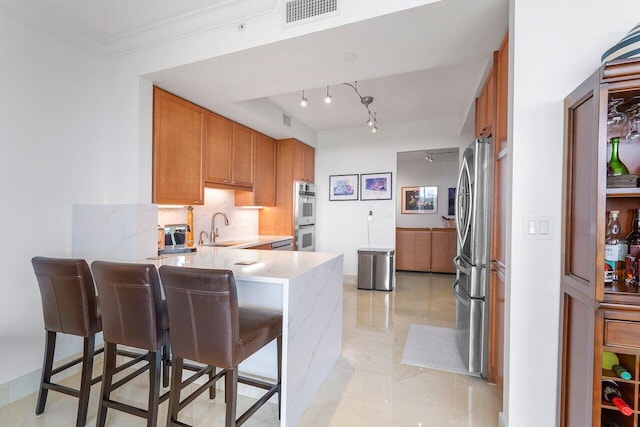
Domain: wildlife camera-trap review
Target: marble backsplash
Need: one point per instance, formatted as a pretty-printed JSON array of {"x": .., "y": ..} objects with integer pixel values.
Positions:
[
  {"x": 128, "y": 232},
  {"x": 242, "y": 222}
]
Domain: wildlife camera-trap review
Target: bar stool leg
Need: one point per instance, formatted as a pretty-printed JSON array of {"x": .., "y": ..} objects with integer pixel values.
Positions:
[
  {"x": 85, "y": 382},
  {"x": 212, "y": 389},
  {"x": 176, "y": 386},
  {"x": 107, "y": 380},
  {"x": 230, "y": 394},
  {"x": 155, "y": 371},
  {"x": 279, "y": 344},
  {"x": 166, "y": 356},
  {"x": 47, "y": 367}
]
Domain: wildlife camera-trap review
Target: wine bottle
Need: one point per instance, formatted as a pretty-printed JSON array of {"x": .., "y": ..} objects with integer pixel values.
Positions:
[
  {"x": 611, "y": 419},
  {"x": 615, "y": 247},
  {"x": 615, "y": 166},
  {"x": 611, "y": 393},
  {"x": 633, "y": 238},
  {"x": 621, "y": 372},
  {"x": 611, "y": 362}
]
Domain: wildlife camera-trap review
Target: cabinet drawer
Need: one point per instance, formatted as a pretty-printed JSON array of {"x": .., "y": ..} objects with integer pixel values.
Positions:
[{"x": 619, "y": 333}]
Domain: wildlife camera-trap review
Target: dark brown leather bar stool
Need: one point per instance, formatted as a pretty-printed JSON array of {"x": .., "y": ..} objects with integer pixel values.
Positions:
[
  {"x": 207, "y": 326},
  {"x": 69, "y": 306},
  {"x": 133, "y": 314}
]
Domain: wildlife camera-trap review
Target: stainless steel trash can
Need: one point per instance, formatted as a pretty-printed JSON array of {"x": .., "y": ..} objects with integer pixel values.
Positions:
[{"x": 376, "y": 269}]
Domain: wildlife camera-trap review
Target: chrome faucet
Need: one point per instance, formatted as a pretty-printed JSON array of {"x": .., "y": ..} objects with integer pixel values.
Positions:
[
  {"x": 200, "y": 241},
  {"x": 214, "y": 231}
]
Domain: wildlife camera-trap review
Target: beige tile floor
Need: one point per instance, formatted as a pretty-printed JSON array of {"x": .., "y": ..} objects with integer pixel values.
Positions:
[{"x": 367, "y": 387}]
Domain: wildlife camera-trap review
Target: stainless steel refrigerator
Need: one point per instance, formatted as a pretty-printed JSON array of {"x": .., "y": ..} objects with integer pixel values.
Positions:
[{"x": 471, "y": 287}]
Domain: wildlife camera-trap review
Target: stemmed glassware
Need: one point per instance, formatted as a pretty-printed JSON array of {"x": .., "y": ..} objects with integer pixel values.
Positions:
[
  {"x": 615, "y": 118},
  {"x": 634, "y": 124}
]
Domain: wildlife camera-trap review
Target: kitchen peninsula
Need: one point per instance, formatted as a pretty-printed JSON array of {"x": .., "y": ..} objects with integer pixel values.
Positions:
[{"x": 307, "y": 288}]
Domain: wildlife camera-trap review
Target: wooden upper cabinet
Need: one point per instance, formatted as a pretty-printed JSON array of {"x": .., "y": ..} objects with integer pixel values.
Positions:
[
  {"x": 264, "y": 172},
  {"x": 218, "y": 150},
  {"x": 242, "y": 158},
  {"x": 228, "y": 153},
  {"x": 502, "y": 95},
  {"x": 178, "y": 129},
  {"x": 486, "y": 107},
  {"x": 304, "y": 158}
]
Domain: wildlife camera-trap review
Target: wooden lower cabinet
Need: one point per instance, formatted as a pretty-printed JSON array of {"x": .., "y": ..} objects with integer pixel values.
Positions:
[
  {"x": 620, "y": 326},
  {"x": 426, "y": 249}
]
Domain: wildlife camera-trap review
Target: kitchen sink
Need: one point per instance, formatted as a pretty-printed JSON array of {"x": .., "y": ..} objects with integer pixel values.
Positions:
[{"x": 228, "y": 243}]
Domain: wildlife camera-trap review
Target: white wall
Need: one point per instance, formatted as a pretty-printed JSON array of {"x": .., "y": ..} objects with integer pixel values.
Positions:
[
  {"x": 549, "y": 61},
  {"x": 77, "y": 130},
  {"x": 441, "y": 173},
  {"x": 342, "y": 225},
  {"x": 52, "y": 133}
]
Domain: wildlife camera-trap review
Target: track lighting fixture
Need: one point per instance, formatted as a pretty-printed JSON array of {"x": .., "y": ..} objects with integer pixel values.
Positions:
[
  {"x": 366, "y": 101},
  {"x": 429, "y": 157},
  {"x": 372, "y": 120}
]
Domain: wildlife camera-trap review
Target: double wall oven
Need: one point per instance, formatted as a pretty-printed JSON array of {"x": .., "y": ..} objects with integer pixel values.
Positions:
[{"x": 304, "y": 216}]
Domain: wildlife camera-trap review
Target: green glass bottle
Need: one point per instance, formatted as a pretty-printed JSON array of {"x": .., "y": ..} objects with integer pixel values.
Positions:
[{"x": 615, "y": 166}]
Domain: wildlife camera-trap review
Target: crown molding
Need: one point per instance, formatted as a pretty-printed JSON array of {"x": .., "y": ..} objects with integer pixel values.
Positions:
[{"x": 218, "y": 15}]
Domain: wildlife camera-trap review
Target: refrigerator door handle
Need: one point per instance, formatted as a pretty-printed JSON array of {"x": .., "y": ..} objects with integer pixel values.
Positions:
[
  {"x": 464, "y": 299},
  {"x": 464, "y": 223},
  {"x": 459, "y": 263}
]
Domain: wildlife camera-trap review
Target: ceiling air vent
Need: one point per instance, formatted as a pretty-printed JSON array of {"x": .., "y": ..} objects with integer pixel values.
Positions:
[
  {"x": 286, "y": 120},
  {"x": 298, "y": 10}
]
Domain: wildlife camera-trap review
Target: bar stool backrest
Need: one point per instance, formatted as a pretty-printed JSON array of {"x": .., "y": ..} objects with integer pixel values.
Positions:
[
  {"x": 68, "y": 295},
  {"x": 131, "y": 304},
  {"x": 203, "y": 315}
]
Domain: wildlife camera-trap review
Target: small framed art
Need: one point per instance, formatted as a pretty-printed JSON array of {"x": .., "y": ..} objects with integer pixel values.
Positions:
[
  {"x": 375, "y": 186},
  {"x": 343, "y": 187},
  {"x": 419, "y": 200}
]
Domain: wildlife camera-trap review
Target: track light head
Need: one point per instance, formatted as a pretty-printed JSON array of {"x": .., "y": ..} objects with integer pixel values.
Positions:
[
  {"x": 303, "y": 101},
  {"x": 327, "y": 98}
]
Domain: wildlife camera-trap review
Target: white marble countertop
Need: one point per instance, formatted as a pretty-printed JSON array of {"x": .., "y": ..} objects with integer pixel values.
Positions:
[
  {"x": 250, "y": 264},
  {"x": 246, "y": 242}
]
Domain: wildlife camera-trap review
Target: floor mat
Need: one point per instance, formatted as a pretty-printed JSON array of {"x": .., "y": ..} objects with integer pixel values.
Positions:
[{"x": 433, "y": 347}]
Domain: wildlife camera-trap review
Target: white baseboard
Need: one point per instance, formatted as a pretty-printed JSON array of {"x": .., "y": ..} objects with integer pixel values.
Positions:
[
  {"x": 29, "y": 383},
  {"x": 350, "y": 280},
  {"x": 502, "y": 420}
]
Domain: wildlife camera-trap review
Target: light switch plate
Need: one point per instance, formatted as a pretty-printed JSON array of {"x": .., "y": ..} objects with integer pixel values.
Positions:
[{"x": 539, "y": 227}]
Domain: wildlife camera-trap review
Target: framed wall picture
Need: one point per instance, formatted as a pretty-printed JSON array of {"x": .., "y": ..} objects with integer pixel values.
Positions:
[
  {"x": 343, "y": 187},
  {"x": 375, "y": 186},
  {"x": 452, "y": 201},
  {"x": 419, "y": 200}
]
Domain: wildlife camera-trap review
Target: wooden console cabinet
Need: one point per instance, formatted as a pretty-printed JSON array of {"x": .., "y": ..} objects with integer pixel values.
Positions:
[
  {"x": 426, "y": 249},
  {"x": 596, "y": 316}
]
